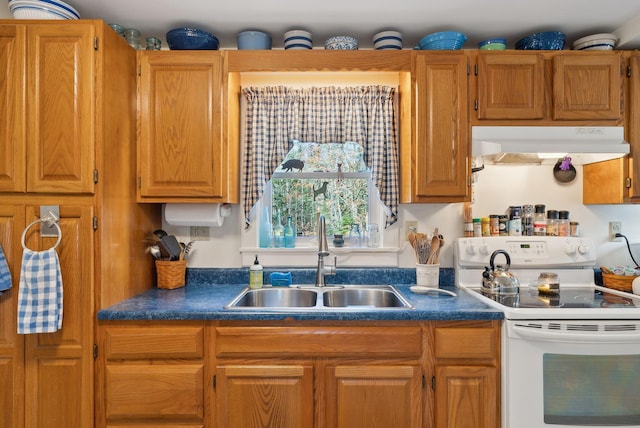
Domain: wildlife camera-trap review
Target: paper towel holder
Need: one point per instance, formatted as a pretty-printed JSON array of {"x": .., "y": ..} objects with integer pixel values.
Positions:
[{"x": 209, "y": 215}]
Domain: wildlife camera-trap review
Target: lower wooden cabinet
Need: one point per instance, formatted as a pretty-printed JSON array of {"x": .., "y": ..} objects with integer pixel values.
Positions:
[{"x": 299, "y": 375}]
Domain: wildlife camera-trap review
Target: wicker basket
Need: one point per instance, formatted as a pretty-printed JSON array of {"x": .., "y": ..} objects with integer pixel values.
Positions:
[
  {"x": 171, "y": 274},
  {"x": 618, "y": 282}
]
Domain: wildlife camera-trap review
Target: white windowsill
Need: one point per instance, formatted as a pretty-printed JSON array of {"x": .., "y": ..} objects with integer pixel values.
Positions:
[{"x": 308, "y": 256}]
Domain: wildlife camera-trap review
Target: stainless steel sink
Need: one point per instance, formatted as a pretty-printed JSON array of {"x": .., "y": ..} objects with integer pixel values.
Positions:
[{"x": 330, "y": 298}]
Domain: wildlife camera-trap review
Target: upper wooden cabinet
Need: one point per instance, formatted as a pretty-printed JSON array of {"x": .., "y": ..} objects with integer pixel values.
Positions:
[
  {"x": 47, "y": 94},
  {"x": 182, "y": 155},
  {"x": 434, "y": 166},
  {"x": 576, "y": 87}
]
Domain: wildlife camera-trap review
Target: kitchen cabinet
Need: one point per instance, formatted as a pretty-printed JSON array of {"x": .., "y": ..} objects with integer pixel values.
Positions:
[
  {"x": 616, "y": 181},
  {"x": 435, "y": 163},
  {"x": 69, "y": 131},
  {"x": 467, "y": 374},
  {"x": 48, "y": 93},
  {"x": 566, "y": 88},
  {"x": 229, "y": 374},
  {"x": 153, "y": 374},
  {"x": 182, "y": 152},
  {"x": 364, "y": 375}
]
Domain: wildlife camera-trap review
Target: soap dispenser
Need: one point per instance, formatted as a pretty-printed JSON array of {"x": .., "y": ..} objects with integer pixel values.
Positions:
[{"x": 255, "y": 274}]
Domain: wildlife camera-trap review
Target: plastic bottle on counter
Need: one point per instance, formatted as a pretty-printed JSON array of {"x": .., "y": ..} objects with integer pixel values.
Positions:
[
  {"x": 552, "y": 223},
  {"x": 539, "y": 221},
  {"x": 256, "y": 274},
  {"x": 563, "y": 223}
]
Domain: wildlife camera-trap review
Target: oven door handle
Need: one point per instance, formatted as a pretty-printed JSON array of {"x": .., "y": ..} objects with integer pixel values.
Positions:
[{"x": 572, "y": 336}]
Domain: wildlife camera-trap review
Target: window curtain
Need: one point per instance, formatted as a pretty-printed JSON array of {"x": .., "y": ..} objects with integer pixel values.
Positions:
[{"x": 275, "y": 116}]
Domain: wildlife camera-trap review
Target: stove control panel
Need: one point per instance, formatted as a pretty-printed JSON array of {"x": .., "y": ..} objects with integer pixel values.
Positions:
[{"x": 526, "y": 251}]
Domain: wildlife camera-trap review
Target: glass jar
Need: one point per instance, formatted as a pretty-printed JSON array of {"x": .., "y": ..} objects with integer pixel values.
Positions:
[
  {"x": 563, "y": 223},
  {"x": 133, "y": 37},
  {"x": 153, "y": 44},
  {"x": 574, "y": 228},
  {"x": 548, "y": 283},
  {"x": 552, "y": 223},
  {"x": 355, "y": 238},
  {"x": 373, "y": 235},
  {"x": 539, "y": 221}
]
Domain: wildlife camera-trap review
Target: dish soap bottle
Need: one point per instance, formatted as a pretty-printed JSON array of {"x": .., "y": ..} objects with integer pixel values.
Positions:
[
  {"x": 289, "y": 234},
  {"x": 255, "y": 274}
]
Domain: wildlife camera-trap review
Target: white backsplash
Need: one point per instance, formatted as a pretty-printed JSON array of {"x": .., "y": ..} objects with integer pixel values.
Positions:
[{"x": 496, "y": 188}]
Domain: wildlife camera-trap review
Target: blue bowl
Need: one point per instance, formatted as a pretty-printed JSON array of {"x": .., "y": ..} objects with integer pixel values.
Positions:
[
  {"x": 443, "y": 40},
  {"x": 547, "y": 40},
  {"x": 191, "y": 39},
  {"x": 254, "y": 40}
]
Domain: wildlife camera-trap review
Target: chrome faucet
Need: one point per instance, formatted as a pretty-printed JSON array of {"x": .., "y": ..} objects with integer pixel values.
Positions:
[{"x": 323, "y": 251}]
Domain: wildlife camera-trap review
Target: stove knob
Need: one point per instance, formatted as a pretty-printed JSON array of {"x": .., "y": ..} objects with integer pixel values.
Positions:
[
  {"x": 583, "y": 249},
  {"x": 471, "y": 250},
  {"x": 570, "y": 249},
  {"x": 484, "y": 249}
]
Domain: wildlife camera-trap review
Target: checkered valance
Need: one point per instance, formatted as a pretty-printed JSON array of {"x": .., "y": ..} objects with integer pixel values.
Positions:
[{"x": 275, "y": 116}]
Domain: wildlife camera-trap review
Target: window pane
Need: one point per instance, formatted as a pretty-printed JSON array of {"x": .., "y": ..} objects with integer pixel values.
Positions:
[{"x": 325, "y": 157}]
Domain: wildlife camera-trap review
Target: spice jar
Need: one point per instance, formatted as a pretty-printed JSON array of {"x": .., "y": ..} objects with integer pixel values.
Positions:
[
  {"x": 494, "y": 224},
  {"x": 548, "y": 283},
  {"x": 486, "y": 226},
  {"x": 477, "y": 227},
  {"x": 563, "y": 223},
  {"x": 539, "y": 221},
  {"x": 503, "y": 220},
  {"x": 574, "y": 228},
  {"x": 552, "y": 223}
]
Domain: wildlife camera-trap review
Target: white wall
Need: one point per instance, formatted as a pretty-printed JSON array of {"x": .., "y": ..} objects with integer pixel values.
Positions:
[{"x": 497, "y": 187}]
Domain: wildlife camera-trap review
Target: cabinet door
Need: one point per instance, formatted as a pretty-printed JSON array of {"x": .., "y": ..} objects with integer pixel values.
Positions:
[
  {"x": 261, "y": 396},
  {"x": 383, "y": 396},
  {"x": 440, "y": 148},
  {"x": 59, "y": 366},
  {"x": 11, "y": 344},
  {"x": 587, "y": 86},
  {"x": 510, "y": 86},
  {"x": 60, "y": 108},
  {"x": 180, "y": 143},
  {"x": 466, "y": 397},
  {"x": 12, "y": 129}
]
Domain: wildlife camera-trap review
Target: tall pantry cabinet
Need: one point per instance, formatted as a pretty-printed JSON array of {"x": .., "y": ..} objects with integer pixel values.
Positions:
[{"x": 67, "y": 138}]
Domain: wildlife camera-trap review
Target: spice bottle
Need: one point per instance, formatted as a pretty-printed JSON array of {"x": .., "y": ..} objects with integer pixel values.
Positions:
[
  {"x": 256, "y": 274},
  {"x": 527, "y": 220},
  {"x": 503, "y": 220},
  {"x": 486, "y": 226},
  {"x": 515, "y": 221},
  {"x": 563, "y": 223},
  {"x": 552, "y": 223},
  {"x": 539, "y": 221},
  {"x": 574, "y": 228},
  {"x": 494, "y": 224},
  {"x": 477, "y": 227}
]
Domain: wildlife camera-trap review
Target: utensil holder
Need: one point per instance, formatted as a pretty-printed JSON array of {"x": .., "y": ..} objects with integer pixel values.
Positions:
[
  {"x": 171, "y": 274},
  {"x": 428, "y": 275}
]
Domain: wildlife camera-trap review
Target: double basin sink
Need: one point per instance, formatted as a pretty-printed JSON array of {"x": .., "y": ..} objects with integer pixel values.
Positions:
[{"x": 310, "y": 298}]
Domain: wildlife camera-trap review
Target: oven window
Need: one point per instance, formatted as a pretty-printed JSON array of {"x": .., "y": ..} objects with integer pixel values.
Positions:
[{"x": 591, "y": 389}]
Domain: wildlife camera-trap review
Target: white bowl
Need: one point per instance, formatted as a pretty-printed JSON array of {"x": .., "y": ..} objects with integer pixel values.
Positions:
[
  {"x": 606, "y": 36},
  {"x": 55, "y": 6},
  {"x": 599, "y": 44},
  {"x": 341, "y": 43},
  {"x": 387, "y": 40},
  {"x": 298, "y": 39},
  {"x": 30, "y": 12}
]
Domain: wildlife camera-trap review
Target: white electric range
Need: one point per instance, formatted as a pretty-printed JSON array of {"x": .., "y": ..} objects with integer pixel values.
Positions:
[{"x": 571, "y": 360}]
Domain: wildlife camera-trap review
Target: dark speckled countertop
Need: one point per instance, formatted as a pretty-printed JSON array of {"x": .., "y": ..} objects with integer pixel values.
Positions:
[{"x": 209, "y": 290}]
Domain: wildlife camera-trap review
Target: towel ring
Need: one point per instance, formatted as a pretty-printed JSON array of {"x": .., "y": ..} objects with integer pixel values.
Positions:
[{"x": 42, "y": 220}]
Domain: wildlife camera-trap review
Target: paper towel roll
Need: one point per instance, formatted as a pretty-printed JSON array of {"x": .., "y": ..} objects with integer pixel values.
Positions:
[{"x": 211, "y": 215}]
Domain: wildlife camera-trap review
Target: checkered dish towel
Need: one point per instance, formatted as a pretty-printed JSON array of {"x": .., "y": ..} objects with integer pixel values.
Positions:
[
  {"x": 40, "y": 292},
  {"x": 5, "y": 275}
]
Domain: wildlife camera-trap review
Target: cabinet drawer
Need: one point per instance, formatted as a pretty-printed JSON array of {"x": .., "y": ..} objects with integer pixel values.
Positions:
[
  {"x": 464, "y": 343},
  {"x": 145, "y": 343},
  {"x": 154, "y": 392},
  {"x": 318, "y": 341}
]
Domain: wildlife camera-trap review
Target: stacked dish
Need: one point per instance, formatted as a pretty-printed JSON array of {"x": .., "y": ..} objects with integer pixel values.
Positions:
[
  {"x": 547, "y": 40},
  {"x": 191, "y": 39},
  {"x": 596, "y": 42},
  {"x": 42, "y": 9},
  {"x": 298, "y": 39},
  {"x": 387, "y": 40},
  {"x": 341, "y": 43},
  {"x": 254, "y": 40},
  {"x": 492, "y": 45},
  {"x": 444, "y": 40}
]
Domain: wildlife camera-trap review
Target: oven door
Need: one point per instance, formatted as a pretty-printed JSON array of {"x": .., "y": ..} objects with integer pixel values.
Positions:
[{"x": 571, "y": 373}]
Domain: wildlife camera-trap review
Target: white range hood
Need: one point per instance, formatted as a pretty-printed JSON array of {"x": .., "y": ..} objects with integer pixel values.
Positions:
[{"x": 548, "y": 144}]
